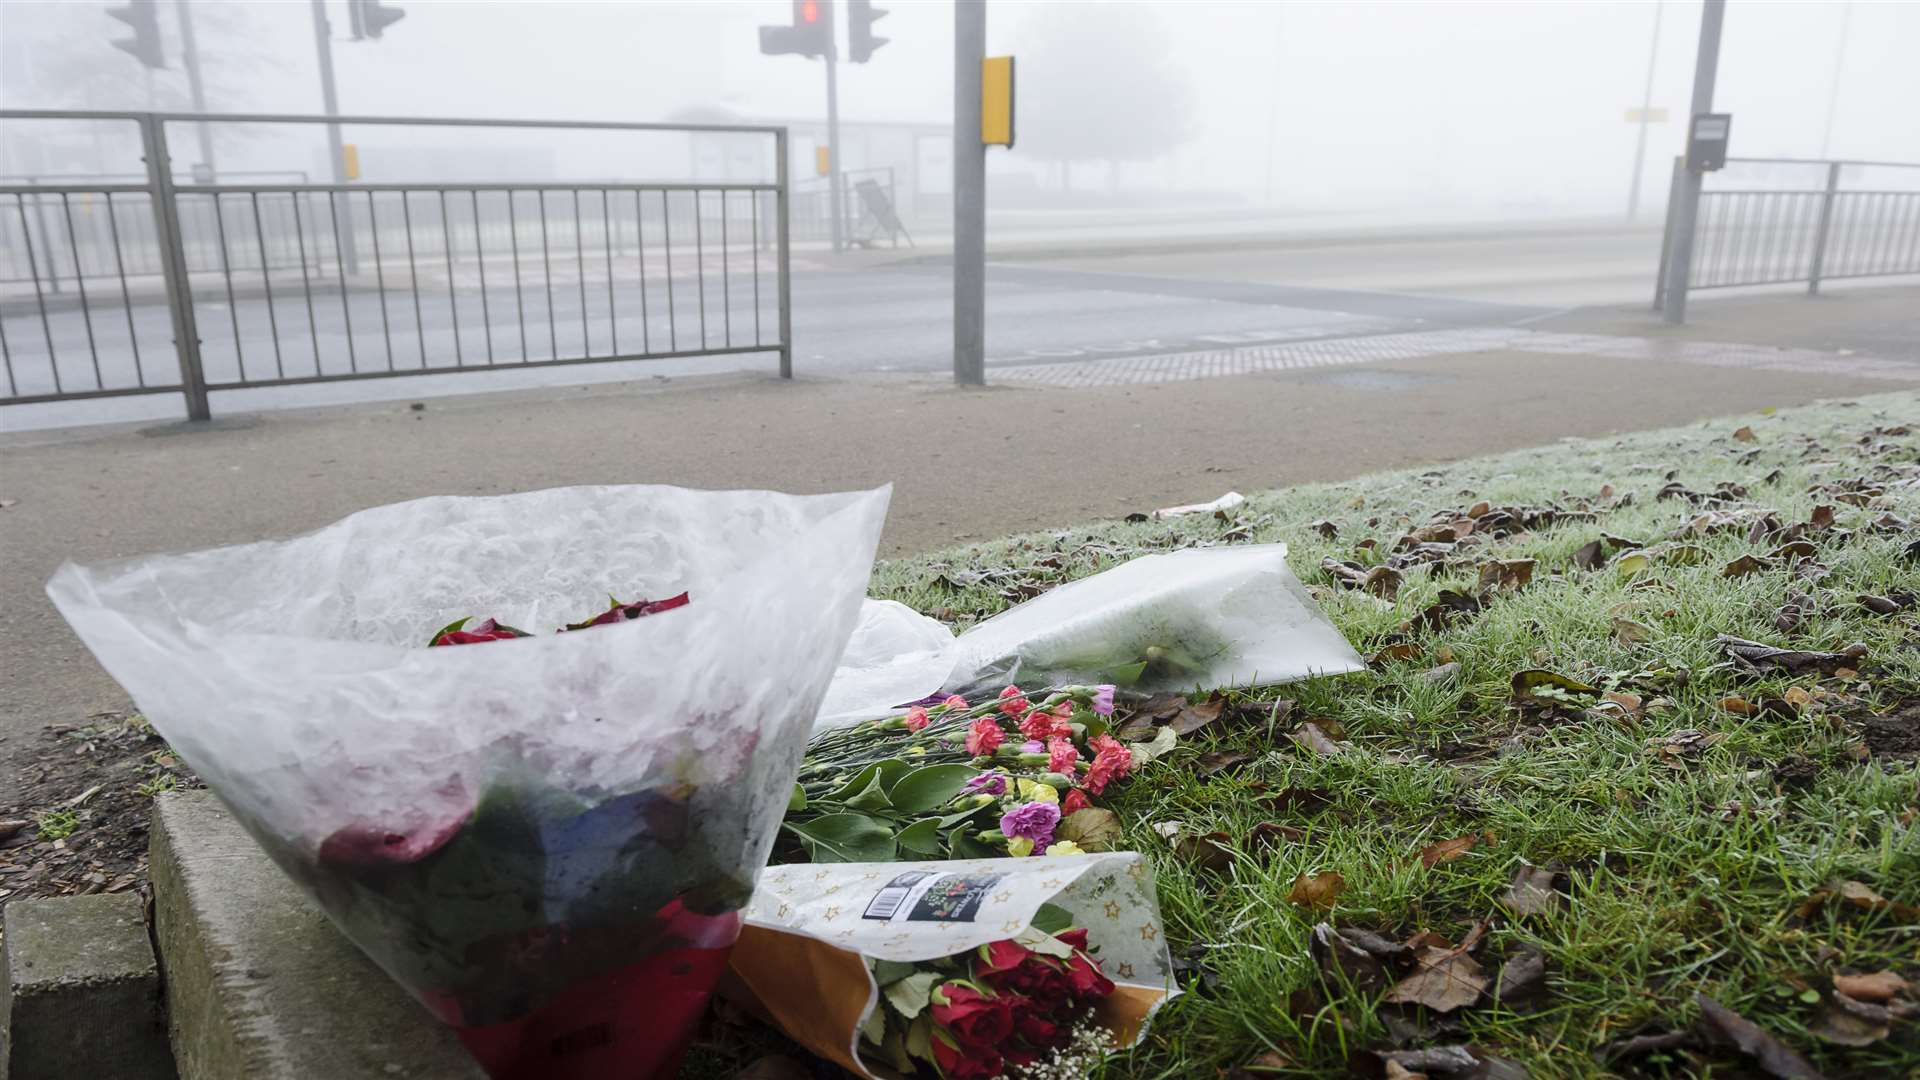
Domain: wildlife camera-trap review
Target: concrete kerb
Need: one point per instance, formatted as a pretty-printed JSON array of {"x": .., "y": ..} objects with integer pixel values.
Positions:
[
  {"x": 80, "y": 991},
  {"x": 260, "y": 985}
]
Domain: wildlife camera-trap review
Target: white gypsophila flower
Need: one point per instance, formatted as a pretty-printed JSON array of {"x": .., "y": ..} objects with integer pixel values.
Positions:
[{"x": 1090, "y": 1044}]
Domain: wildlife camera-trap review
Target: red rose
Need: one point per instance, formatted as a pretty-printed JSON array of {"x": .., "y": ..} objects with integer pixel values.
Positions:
[
  {"x": 1039, "y": 977},
  {"x": 1037, "y": 1029},
  {"x": 996, "y": 957},
  {"x": 1086, "y": 977},
  {"x": 976, "y": 1020},
  {"x": 961, "y": 1063},
  {"x": 620, "y": 612},
  {"x": 1075, "y": 800},
  {"x": 1076, "y": 937},
  {"x": 484, "y": 630}
]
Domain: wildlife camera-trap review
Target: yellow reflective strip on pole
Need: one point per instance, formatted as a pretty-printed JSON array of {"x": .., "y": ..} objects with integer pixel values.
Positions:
[
  {"x": 996, "y": 101},
  {"x": 350, "y": 160},
  {"x": 822, "y": 161}
]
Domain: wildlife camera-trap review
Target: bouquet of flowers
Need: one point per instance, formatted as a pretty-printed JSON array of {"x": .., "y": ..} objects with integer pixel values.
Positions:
[
  {"x": 1006, "y": 1007},
  {"x": 959, "y": 970},
  {"x": 1204, "y": 617},
  {"x": 948, "y": 779},
  {"x": 547, "y": 839}
]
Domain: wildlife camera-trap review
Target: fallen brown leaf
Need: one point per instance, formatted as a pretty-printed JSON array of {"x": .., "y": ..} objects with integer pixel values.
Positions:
[
  {"x": 1446, "y": 979},
  {"x": 1738, "y": 706},
  {"x": 1769, "y": 1053},
  {"x": 1196, "y": 716},
  {"x": 1382, "y": 581},
  {"x": 1445, "y": 851},
  {"x": 1878, "y": 986},
  {"x": 1523, "y": 977},
  {"x": 1848, "y": 1021},
  {"x": 1592, "y": 555},
  {"x": 1211, "y": 853},
  {"x": 1327, "y": 529},
  {"x": 1303, "y": 801},
  {"x": 1508, "y": 576},
  {"x": 1531, "y": 892},
  {"x": 1317, "y": 891},
  {"x": 1367, "y": 960},
  {"x": 1745, "y": 434},
  {"x": 1745, "y": 565},
  {"x": 1442, "y": 674},
  {"x": 1628, "y": 632},
  {"x": 1755, "y": 656},
  {"x": 1310, "y": 736},
  {"x": 1855, "y": 895},
  {"x": 1399, "y": 650},
  {"x": 1270, "y": 834},
  {"x": 1219, "y": 760},
  {"x": 1883, "y": 605}
]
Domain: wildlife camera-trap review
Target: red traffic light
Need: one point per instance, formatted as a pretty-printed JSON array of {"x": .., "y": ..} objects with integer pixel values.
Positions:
[{"x": 810, "y": 11}]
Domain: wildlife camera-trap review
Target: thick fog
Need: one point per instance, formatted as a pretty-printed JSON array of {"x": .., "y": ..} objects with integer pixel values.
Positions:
[{"x": 1489, "y": 109}]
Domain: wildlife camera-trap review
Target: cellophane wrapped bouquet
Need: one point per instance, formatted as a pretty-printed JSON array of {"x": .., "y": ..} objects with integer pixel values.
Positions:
[{"x": 547, "y": 838}]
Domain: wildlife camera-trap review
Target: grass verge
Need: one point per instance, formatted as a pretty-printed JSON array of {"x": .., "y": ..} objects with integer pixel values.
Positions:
[{"x": 1685, "y": 824}]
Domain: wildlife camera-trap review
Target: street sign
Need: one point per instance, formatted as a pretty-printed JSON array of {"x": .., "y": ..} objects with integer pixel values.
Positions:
[
  {"x": 1656, "y": 114},
  {"x": 996, "y": 101},
  {"x": 1707, "y": 143}
]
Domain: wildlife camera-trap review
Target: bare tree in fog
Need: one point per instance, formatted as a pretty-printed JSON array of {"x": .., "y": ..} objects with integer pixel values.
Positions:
[{"x": 1113, "y": 88}]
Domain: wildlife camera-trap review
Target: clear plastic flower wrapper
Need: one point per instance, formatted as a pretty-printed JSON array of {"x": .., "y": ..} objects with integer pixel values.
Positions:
[
  {"x": 957, "y": 969},
  {"x": 1205, "y": 618},
  {"x": 547, "y": 839}
]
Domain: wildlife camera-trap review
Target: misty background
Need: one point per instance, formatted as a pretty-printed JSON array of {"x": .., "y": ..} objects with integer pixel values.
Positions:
[{"x": 1391, "y": 110}]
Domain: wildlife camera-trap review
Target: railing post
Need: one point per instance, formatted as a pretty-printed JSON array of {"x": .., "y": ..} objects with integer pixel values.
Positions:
[
  {"x": 1666, "y": 233},
  {"x": 782, "y": 226},
  {"x": 173, "y": 264},
  {"x": 1820, "y": 232}
]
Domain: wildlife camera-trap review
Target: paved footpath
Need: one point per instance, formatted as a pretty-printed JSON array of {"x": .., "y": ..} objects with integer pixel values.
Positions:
[{"x": 1033, "y": 452}]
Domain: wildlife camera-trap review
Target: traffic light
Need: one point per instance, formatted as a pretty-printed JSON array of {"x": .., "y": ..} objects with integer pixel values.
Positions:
[
  {"x": 370, "y": 17},
  {"x": 810, "y": 33},
  {"x": 144, "y": 17},
  {"x": 861, "y": 15}
]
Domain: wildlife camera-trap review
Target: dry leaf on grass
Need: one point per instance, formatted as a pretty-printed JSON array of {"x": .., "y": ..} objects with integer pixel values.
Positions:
[
  {"x": 1317, "y": 891},
  {"x": 1446, "y": 979},
  {"x": 1531, "y": 892},
  {"x": 1445, "y": 851},
  {"x": 1848, "y": 1021},
  {"x": 1218, "y": 760},
  {"x": 1592, "y": 555},
  {"x": 1856, "y": 895},
  {"x": 1628, "y": 632},
  {"x": 1724, "y": 1025},
  {"x": 1745, "y": 434},
  {"x": 1877, "y": 986},
  {"x": 1509, "y": 576},
  {"x": 1310, "y": 736},
  {"x": 1755, "y": 656},
  {"x": 1745, "y": 565},
  {"x": 1366, "y": 959}
]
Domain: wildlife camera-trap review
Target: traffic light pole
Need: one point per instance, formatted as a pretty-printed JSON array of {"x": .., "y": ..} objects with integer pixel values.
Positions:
[
  {"x": 969, "y": 196},
  {"x": 190, "y": 57},
  {"x": 1685, "y": 211},
  {"x": 336, "y": 153},
  {"x": 833, "y": 148}
]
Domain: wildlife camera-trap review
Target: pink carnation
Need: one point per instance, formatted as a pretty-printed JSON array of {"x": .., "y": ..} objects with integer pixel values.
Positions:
[
  {"x": 984, "y": 737},
  {"x": 916, "y": 718},
  {"x": 1061, "y": 756}
]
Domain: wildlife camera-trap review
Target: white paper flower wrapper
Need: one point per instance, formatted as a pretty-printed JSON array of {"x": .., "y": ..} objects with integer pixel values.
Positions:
[
  {"x": 641, "y": 763},
  {"x": 812, "y": 928}
]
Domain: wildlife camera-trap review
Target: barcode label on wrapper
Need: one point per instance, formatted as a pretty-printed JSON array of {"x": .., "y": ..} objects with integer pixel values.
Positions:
[{"x": 918, "y": 896}]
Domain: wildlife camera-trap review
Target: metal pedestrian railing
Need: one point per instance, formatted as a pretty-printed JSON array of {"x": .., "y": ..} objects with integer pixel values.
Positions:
[
  {"x": 115, "y": 288},
  {"x": 1787, "y": 220}
]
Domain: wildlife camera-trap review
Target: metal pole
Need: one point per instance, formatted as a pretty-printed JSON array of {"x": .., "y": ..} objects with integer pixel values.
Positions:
[
  {"x": 336, "y": 153},
  {"x": 1819, "y": 262},
  {"x": 1833, "y": 91},
  {"x": 1685, "y": 212},
  {"x": 833, "y": 144},
  {"x": 782, "y": 227},
  {"x": 173, "y": 262},
  {"x": 1646, "y": 107},
  {"x": 190, "y": 55},
  {"x": 1666, "y": 233},
  {"x": 969, "y": 196}
]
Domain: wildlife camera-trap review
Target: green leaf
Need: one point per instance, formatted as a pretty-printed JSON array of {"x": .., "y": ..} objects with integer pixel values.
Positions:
[
  {"x": 874, "y": 1027},
  {"x": 449, "y": 628},
  {"x": 926, "y": 788},
  {"x": 1093, "y": 828},
  {"x": 959, "y": 816},
  {"x": 798, "y": 800},
  {"x": 844, "y": 838},
  {"x": 920, "y": 1038},
  {"x": 962, "y": 845},
  {"x": 885, "y": 772},
  {"x": 1052, "y": 918},
  {"x": 911, "y": 994},
  {"x": 891, "y": 971},
  {"x": 871, "y": 797},
  {"x": 1127, "y": 674},
  {"x": 922, "y": 837},
  {"x": 1538, "y": 682}
]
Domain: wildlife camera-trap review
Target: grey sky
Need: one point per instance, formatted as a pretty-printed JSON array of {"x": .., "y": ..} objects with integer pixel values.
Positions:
[{"x": 1506, "y": 106}]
